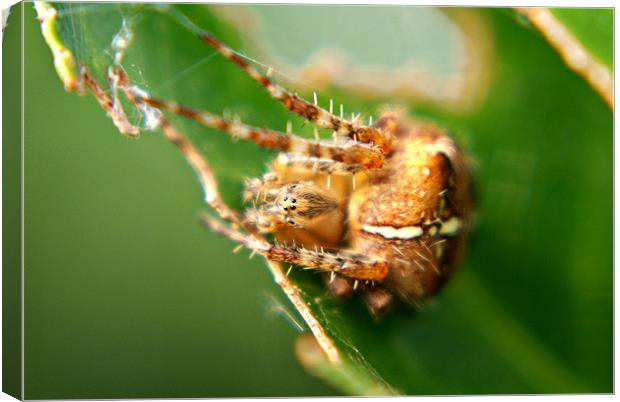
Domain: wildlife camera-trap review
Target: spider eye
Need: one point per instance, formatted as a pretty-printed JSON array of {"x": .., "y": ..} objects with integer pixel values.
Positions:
[
  {"x": 285, "y": 198},
  {"x": 291, "y": 222},
  {"x": 293, "y": 200},
  {"x": 286, "y": 209},
  {"x": 293, "y": 207}
]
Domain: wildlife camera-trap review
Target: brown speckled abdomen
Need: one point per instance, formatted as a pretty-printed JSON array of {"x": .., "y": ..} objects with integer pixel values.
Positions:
[{"x": 416, "y": 213}]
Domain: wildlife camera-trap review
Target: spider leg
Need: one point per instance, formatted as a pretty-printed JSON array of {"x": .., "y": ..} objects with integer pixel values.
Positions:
[
  {"x": 319, "y": 165},
  {"x": 300, "y": 106},
  {"x": 349, "y": 152},
  {"x": 346, "y": 263}
]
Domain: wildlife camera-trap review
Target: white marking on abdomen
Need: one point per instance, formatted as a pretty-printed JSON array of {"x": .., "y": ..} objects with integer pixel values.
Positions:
[{"x": 389, "y": 232}]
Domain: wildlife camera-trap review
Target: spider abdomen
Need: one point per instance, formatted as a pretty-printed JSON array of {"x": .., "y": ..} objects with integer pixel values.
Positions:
[{"x": 416, "y": 212}]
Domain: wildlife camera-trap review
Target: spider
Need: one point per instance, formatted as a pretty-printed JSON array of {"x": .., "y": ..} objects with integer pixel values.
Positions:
[{"x": 384, "y": 209}]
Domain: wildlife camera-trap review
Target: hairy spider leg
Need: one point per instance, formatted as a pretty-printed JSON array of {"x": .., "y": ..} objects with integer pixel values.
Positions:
[
  {"x": 346, "y": 263},
  {"x": 319, "y": 165},
  {"x": 350, "y": 152},
  {"x": 294, "y": 103}
]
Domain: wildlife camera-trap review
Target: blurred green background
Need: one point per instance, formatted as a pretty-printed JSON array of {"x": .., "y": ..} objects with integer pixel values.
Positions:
[{"x": 127, "y": 296}]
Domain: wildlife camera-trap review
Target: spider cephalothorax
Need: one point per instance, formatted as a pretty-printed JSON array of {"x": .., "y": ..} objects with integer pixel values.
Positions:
[
  {"x": 301, "y": 202},
  {"x": 384, "y": 209}
]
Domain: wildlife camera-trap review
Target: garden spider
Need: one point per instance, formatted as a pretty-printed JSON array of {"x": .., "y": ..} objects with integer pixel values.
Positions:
[{"x": 384, "y": 209}]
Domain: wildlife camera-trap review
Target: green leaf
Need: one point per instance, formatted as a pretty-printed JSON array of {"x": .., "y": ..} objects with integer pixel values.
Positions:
[{"x": 531, "y": 309}]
